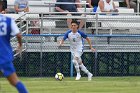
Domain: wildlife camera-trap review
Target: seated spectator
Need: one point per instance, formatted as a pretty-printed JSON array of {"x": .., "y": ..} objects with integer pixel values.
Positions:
[
  {"x": 106, "y": 6},
  {"x": 4, "y": 6},
  {"x": 92, "y": 3},
  {"x": 69, "y": 8},
  {"x": 21, "y": 6},
  {"x": 129, "y": 4},
  {"x": 125, "y": 3}
]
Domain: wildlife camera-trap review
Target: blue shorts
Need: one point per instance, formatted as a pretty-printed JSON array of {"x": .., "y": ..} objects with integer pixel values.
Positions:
[{"x": 7, "y": 69}]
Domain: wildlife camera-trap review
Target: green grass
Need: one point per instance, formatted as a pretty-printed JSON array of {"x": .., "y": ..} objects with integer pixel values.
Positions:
[{"x": 69, "y": 85}]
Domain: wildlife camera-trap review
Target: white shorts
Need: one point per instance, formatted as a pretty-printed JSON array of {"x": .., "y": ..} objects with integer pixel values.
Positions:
[{"x": 77, "y": 53}]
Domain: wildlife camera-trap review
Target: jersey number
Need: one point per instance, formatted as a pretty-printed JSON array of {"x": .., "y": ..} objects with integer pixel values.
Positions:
[
  {"x": 3, "y": 27},
  {"x": 74, "y": 40}
]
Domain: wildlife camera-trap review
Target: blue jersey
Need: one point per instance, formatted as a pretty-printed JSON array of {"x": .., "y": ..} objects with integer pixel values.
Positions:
[
  {"x": 76, "y": 40},
  {"x": 7, "y": 28}
]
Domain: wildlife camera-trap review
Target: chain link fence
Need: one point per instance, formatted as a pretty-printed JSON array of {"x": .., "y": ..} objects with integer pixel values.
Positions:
[{"x": 116, "y": 39}]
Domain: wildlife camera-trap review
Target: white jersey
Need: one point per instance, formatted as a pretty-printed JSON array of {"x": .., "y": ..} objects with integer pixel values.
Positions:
[
  {"x": 76, "y": 40},
  {"x": 107, "y": 6}
]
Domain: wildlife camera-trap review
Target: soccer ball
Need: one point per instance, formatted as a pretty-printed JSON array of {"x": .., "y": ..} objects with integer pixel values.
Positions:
[{"x": 59, "y": 76}]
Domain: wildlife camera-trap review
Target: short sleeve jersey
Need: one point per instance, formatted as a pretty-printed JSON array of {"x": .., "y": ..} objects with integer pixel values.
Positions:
[
  {"x": 7, "y": 28},
  {"x": 76, "y": 40}
]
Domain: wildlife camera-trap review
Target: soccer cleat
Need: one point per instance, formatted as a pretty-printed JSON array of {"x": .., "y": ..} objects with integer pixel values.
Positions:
[
  {"x": 90, "y": 76},
  {"x": 78, "y": 77}
]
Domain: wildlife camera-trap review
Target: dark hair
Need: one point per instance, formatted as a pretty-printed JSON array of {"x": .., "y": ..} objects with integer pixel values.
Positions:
[{"x": 74, "y": 21}]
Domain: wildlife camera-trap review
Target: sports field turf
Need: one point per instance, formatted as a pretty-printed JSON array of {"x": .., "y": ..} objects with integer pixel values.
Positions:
[{"x": 69, "y": 85}]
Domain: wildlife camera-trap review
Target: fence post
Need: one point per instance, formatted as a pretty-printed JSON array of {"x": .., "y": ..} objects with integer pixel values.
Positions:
[
  {"x": 41, "y": 54},
  {"x": 71, "y": 67}
]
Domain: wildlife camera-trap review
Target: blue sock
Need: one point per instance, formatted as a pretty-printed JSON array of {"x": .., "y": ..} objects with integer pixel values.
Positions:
[{"x": 21, "y": 88}]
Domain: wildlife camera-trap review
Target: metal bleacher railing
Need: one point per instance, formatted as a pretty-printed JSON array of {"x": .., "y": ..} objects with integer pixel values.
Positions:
[
  {"x": 102, "y": 24},
  {"x": 109, "y": 24}
]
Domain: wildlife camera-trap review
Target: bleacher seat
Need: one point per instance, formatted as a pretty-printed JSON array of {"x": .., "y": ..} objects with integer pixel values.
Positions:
[
  {"x": 83, "y": 9},
  {"x": 41, "y": 6},
  {"x": 126, "y": 10},
  {"x": 14, "y": 16},
  {"x": 10, "y": 2}
]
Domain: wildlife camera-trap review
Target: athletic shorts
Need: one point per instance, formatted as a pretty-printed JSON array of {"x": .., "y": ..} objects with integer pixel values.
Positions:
[
  {"x": 7, "y": 69},
  {"x": 77, "y": 53}
]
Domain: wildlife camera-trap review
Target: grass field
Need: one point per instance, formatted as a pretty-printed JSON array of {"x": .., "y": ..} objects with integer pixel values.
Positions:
[{"x": 69, "y": 85}]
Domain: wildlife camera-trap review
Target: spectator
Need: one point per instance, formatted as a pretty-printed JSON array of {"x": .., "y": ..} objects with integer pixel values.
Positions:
[
  {"x": 21, "y": 6},
  {"x": 129, "y": 4},
  {"x": 92, "y": 3},
  {"x": 69, "y": 8},
  {"x": 106, "y": 6},
  {"x": 125, "y": 3},
  {"x": 4, "y": 6}
]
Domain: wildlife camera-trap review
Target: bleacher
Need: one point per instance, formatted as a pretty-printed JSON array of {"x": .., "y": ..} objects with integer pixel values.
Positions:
[{"x": 124, "y": 23}]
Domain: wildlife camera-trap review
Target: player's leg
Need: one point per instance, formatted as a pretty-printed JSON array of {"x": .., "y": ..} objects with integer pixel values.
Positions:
[
  {"x": 79, "y": 60},
  {"x": 13, "y": 80},
  {"x": 9, "y": 72},
  {"x": 76, "y": 65},
  {"x": 83, "y": 68},
  {"x": 81, "y": 65}
]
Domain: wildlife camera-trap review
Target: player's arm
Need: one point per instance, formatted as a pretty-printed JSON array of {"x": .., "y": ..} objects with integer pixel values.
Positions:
[
  {"x": 90, "y": 45},
  {"x": 61, "y": 42},
  {"x": 88, "y": 40},
  {"x": 64, "y": 38},
  {"x": 19, "y": 38}
]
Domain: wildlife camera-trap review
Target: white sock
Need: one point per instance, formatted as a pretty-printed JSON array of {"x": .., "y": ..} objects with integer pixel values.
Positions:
[
  {"x": 84, "y": 69},
  {"x": 77, "y": 69},
  {"x": 76, "y": 65}
]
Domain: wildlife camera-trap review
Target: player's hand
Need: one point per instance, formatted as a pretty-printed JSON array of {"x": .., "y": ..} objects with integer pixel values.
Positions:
[
  {"x": 93, "y": 49},
  {"x": 60, "y": 43}
]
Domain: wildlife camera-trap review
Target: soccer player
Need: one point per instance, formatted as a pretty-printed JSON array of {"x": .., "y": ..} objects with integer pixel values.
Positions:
[
  {"x": 7, "y": 28},
  {"x": 76, "y": 37}
]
